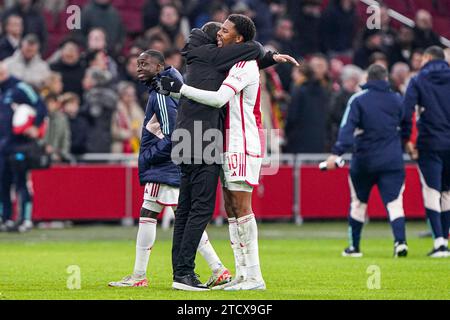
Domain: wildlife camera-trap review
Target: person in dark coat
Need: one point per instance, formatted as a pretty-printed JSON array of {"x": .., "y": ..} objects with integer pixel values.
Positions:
[
  {"x": 307, "y": 115},
  {"x": 70, "y": 67},
  {"x": 99, "y": 104},
  {"x": 33, "y": 20},
  {"x": 9, "y": 42}
]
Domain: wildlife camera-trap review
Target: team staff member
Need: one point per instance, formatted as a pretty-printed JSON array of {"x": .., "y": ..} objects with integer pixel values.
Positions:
[
  {"x": 430, "y": 91},
  {"x": 13, "y": 93},
  {"x": 370, "y": 126}
]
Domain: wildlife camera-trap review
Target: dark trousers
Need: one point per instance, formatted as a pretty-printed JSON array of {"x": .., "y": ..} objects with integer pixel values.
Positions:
[
  {"x": 195, "y": 209},
  {"x": 17, "y": 176}
]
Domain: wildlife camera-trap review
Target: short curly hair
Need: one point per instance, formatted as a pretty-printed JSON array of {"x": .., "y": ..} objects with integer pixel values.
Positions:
[{"x": 244, "y": 26}]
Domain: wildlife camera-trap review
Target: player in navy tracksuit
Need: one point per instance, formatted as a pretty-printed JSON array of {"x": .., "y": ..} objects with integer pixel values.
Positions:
[
  {"x": 430, "y": 91},
  {"x": 14, "y": 91},
  {"x": 157, "y": 172},
  {"x": 371, "y": 125}
]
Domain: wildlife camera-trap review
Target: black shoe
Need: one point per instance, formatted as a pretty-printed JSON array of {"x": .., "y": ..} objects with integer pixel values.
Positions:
[
  {"x": 441, "y": 252},
  {"x": 400, "y": 249},
  {"x": 352, "y": 252},
  {"x": 189, "y": 282}
]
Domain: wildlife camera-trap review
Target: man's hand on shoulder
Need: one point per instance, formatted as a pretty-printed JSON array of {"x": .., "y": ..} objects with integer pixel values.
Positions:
[
  {"x": 284, "y": 58},
  {"x": 171, "y": 84}
]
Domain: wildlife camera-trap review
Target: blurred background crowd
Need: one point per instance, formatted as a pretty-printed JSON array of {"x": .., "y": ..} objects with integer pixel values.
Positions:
[{"x": 96, "y": 104}]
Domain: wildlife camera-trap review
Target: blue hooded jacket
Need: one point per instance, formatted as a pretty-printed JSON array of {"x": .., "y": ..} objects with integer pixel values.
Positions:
[
  {"x": 371, "y": 124},
  {"x": 430, "y": 90},
  {"x": 155, "y": 164},
  {"x": 15, "y": 91}
]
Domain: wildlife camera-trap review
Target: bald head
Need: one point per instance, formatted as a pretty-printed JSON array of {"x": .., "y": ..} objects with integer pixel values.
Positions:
[
  {"x": 4, "y": 73},
  {"x": 424, "y": 20}
]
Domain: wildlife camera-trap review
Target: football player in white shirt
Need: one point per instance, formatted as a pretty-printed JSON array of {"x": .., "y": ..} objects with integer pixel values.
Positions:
[{"x": 244, "y": 148}]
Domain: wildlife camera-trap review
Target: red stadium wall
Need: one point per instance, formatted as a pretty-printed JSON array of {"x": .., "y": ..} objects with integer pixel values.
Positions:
[{"x": 112, "y": 192}]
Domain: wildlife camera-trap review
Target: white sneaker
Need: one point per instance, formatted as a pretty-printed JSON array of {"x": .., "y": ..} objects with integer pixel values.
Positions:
[
  {"x": 233, "y": 282},
  {"x": 130, "y": 281},
  {"x": 27, "y": 225},
  {"x": 249, "y": 284}
]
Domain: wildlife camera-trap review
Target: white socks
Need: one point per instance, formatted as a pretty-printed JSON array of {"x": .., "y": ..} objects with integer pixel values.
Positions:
[
  {"x": 209, "y": 254},
  {"x": 238, "y": 250},
  {"x": 438, "y": 242},
  {"x": 248, "y": 233},
  {"x": 145, "y": 239}
]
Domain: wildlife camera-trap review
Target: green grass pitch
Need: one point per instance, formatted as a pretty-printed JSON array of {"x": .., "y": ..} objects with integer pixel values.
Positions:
[{"x": 298, "y": 263}]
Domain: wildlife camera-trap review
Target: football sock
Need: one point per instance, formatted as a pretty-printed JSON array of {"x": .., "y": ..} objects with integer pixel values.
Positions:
[
  {"x": 434, "y": 218},
  {"x": 445, "y": 220},
  {"x": 248, "y": 233},
  {"x": 238, "y": 252},
  {"x": 145, "y": 239},
  {"x": 209, "y": 254},
  {"x": 398, "y": 228},
  {"x": 354, "y": 232}
]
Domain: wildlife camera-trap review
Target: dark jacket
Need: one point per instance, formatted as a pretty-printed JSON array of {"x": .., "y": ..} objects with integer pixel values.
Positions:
[
  {"x": 307, "y": 119},
  {"x": 6, "y": 48},
  {"x": 155, "y": 163},
  {"x": 338, "y": 105},
  {"x": 79, "y": 128},
  {"x": 33, "y": 22},
  {"x": 99, "y": 105},
  {"x": 430, "y": 90},
  {"x": 72, "y": 76},
  {"x": 15, "y": 91},
  {"x": 371, "y": 128},
  {"x": 206, "y": 68}
]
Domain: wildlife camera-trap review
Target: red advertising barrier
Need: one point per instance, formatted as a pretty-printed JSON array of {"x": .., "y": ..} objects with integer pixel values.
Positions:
[{"x": 112, "y": 192}]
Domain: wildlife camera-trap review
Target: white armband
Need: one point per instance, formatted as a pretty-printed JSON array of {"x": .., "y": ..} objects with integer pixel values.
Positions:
[{"x": 215, "y": 99}]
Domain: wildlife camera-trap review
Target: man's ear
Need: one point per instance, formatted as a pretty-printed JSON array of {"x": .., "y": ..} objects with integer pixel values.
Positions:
[{"x": 239, "y": 39}]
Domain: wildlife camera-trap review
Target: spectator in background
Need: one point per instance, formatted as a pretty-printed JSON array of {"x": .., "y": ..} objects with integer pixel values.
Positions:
[
  {"x": 127, "y": 121},
  {"x": 400, "y": 75},
  {"x": 151, "y": 12},
  {"x": 447, "y": 55},
  {"x": 70, "y": 67},
  {"x": 129, "y": 74},
  {"x": 33, "y": 20},
  {"x": 9, "y": 42},
  {"x": 416, "y": 61},
  {"x": 53, "y": 85},
  {"x": 217, "y": 12},
  {"x": 26, "y": 63},
  {"x": 306, "y": 17},
  {"x": 97, "y": 41},
  {"x": 57, "y": 137},
  {"x": 101, "y": 14},
  {"x": 372, "y": 42},
  {"x": 79, "y": 126},
  {"x": 306, "y": 121},
  {"x": 424, "y": 36},
  {"x": 174, "y": 58},
  {"x": 379, "y": 58},
  {"x": 262, "y": 17},
  {"x": 404, "y": 46},
  {"x": 387, "y": 31},
  {"x": 97, "y": 59},
  {"x": 284, "y": 42},
  {"x": 338, "y": 25},
  {"x": 99, "y": 103},
  {"x": 169, "y": 28},
  {"x": 351, "y": 77}
]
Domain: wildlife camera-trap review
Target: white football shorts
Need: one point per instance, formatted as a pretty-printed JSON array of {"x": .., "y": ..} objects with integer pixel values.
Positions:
[
  {"x": 157, "y": 196},
  {"x": 240, "y": 172}
]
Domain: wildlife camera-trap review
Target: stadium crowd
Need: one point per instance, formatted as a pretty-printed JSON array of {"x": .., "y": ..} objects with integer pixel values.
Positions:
[{"x": 96, "y": 103}]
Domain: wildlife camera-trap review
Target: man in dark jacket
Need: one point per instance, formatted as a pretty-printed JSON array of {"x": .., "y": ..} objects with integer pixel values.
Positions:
[
  {"x": 430, "y": 91},
  {"x": 158, "y": 173},
  {"x": 12, "y": 36},
  {"x": 13, "y": 143},
  {"x": 370, "y": 127}
]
